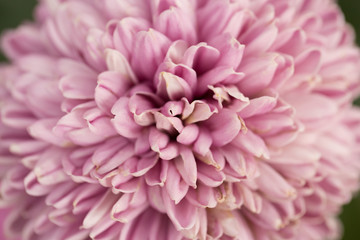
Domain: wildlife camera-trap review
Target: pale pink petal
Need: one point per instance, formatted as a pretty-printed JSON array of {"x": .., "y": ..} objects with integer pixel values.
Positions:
[
  {"x": 197, "y": 111},
  {"x": 273, "y": 184}
]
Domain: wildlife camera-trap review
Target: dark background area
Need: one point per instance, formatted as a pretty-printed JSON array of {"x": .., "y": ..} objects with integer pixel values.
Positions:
[{"x": 14, "y": 12}]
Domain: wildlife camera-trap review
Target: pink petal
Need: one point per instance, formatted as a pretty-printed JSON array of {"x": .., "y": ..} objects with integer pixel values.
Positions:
[
  {"x": 231, "y": 50},
  {"x": 251, "y": 143},
  {"x": 167, "y": 23},
  {"x": 172, "y": 108},
  {"x": 110, "y": 86},
  {"x": 99, "y": 123},
  {"x": 158, "y": 174},
  {"x": 84, "y": 137},
  {"x": 42, "y": 129},
  {"x": 155, "y": 198},
  {"x": 116, "y": 62},
  {"x": 170, "y": 152},
  {"x": 209, "y": 175},
  {"x": 316, "y": 107},
  {"x": 259, "y": 37},
  {"x": 23, "y": 41},
  {"x": 259, "y": 72},
  {"x": 176, "y": 87},
  {"x": 252, "y": 200},
  {"x": 203, "y": 143},
  {"x": 158, "y": 140},
  {"x": 144, "y": 165},
  {"x": 142, "y": 144},
  {"x": 186, "y": 165},
  {"x": 101, "y": 208},
  {"x": 219, "y": 17},
  {"x": 78, "y": 86},
  {"x": 183, "y": 214},
  {"x": 203, "y": 196},
  {"x": 308, "y": 62},
  {"x": 121, "y": 156},
  {"x": 128, "y": 207},
  {"x": 148, "y": 52},
  {"x": 197, "y": 111},
  {"x": 188, "y": 135},
  {"x": 224, "y": 127},
  {"x": 201, "y": 57},
  {"x": 175, "y": 186},
  {"x": 124, "y": 120},
  {"x": 268, "y": 218},
  {"x": 168, "y": 124},
  {"x": 273, "y": 184},
  {"x": 125, "y": 32},
  {"x": 33, "y": 187},
  {"x": 218, "y": 75},
  {"x": 290, "y": 41},
  {"x": 259, "y": 105},
  {"x": 106, "y": 229}
]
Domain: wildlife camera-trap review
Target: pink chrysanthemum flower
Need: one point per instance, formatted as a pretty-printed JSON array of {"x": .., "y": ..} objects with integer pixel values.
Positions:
[{"x": 179, "y": 119}]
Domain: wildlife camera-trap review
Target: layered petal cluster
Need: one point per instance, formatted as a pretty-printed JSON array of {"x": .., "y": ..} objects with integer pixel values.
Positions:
[{"x": 179, "y": 119}]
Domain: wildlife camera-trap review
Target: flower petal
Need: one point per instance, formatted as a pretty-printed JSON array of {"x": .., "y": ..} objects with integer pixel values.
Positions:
[{"x": 224, "y": 127}]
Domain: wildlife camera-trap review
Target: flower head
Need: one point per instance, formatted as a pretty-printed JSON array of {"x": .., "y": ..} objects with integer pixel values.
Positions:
[{"x": 169, "y": 119}]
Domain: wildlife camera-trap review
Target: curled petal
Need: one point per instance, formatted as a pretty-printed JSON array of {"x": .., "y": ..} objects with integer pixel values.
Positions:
[
  {"x": 188, "y": 135},
  {"x": 219, "y": 75},
  {"x": 144, "y": 165},
  {"x": 157, "y": 175},
  {"x": 224, "y": 127},
  {"x": 110, "y": 86},
  {"x": 124, "y": 120},
  {"x": 197, "y": 111},
  {"x": 176, "y": 87},
  {"x": 232, "y": 51},
  {"x": 259, "y": 105},
  {"x": 183, "y": 214},
  {"x": 203, "y": 142},
  {"x": 201, "y": 57}
]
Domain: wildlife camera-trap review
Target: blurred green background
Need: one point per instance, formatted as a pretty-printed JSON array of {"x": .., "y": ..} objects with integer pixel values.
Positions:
[{"x": 14, "y": 12}]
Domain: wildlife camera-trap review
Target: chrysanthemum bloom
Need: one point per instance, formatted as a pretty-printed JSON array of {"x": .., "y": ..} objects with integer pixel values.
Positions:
[{"x": 179, "y": 119}]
